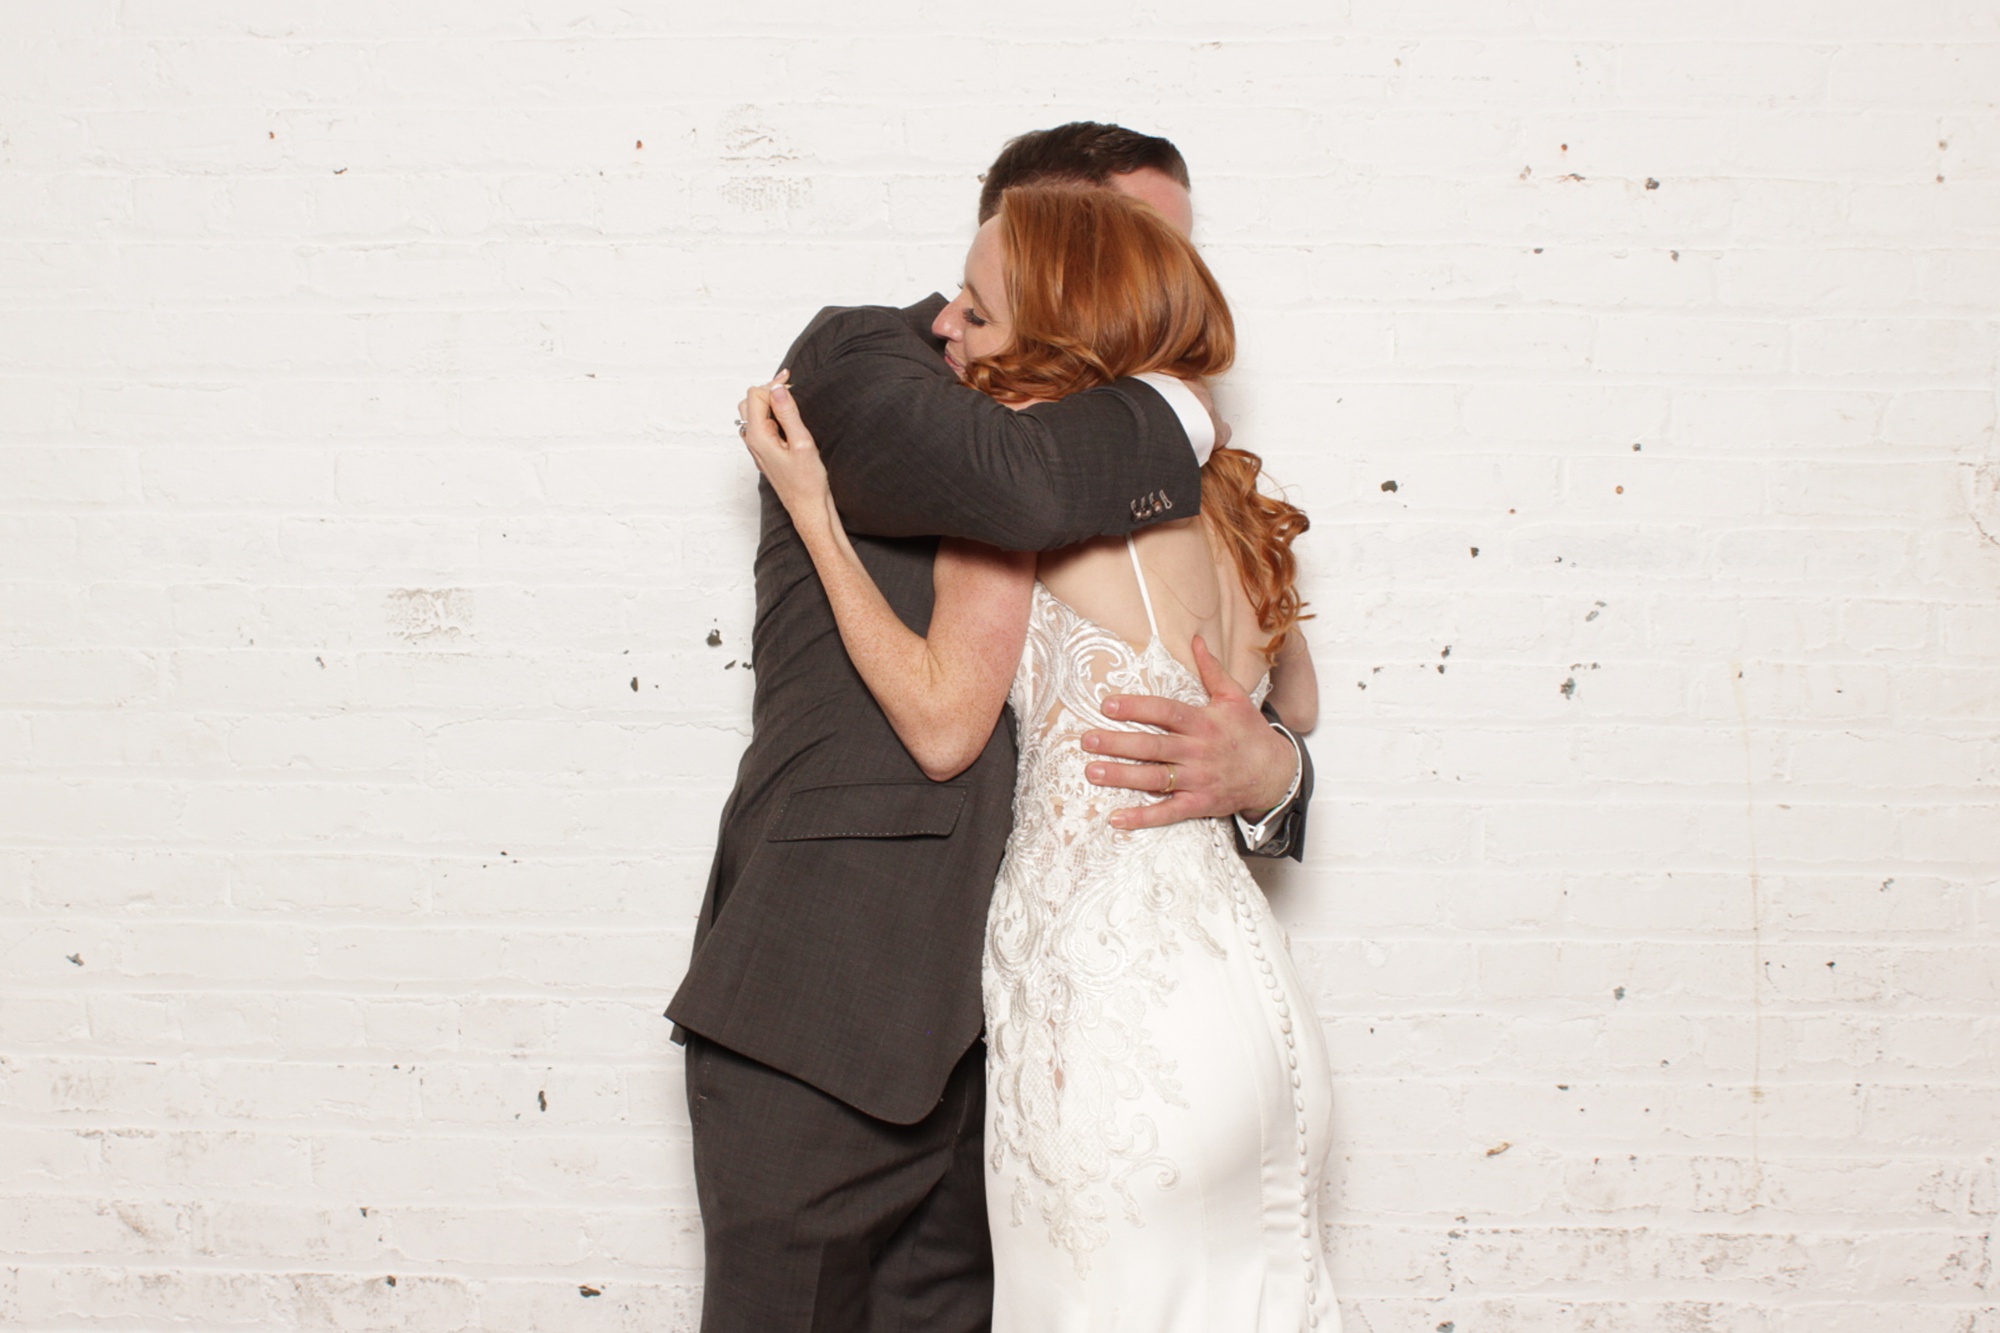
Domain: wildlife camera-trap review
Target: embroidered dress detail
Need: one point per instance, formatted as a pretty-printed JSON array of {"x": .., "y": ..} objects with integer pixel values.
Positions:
[{"x": 1157, "y": 1121}]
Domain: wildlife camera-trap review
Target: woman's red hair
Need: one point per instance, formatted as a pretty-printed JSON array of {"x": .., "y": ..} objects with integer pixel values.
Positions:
[{"x": 1103, "y": 287}]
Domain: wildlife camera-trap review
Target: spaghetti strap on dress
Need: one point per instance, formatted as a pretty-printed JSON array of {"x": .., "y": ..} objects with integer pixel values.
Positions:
[{"x": 1145, "y": 596}]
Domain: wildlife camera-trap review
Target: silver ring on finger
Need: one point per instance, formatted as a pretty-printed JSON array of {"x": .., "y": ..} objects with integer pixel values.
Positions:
[{"x": 742, "y": 427}]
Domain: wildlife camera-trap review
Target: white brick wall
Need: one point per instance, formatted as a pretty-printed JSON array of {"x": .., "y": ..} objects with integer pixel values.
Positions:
[{"x": 368, "y": 499}]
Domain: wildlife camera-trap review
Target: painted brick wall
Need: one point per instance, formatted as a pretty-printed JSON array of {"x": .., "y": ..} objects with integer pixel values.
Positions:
[{"x": 373, "y": 601}]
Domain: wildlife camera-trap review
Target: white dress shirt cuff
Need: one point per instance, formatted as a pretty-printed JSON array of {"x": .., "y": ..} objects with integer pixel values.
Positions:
[
  {"x": 1200, "y": 427},
  {"x": 1257, "y": 834}
]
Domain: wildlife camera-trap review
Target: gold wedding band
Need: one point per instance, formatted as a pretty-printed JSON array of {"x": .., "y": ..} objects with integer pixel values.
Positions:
[{"x": 1172, "y": 777}]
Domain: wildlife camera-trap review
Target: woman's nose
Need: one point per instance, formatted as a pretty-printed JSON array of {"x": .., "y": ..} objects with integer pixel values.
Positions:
[{"x": 946, "y": 325}]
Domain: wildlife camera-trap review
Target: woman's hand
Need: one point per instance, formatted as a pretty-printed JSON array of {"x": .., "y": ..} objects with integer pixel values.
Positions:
[{"x": 784, "y": 451}]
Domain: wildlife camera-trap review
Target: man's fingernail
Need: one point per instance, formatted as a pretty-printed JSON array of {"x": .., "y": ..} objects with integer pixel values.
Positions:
[
  {"x": 1119, "y": 820},
  {"x": 1095, "y": 772},
  {"x": 1111, "y": 708},
  {"x": 1090, "y": 740},
  {"x": 781, "y": 394}
]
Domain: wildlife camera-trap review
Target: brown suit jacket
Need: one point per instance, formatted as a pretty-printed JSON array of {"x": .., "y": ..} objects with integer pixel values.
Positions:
[{"x": 840, "y": 938}]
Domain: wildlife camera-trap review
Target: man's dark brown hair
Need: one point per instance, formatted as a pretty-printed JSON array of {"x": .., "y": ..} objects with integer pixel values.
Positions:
[{"x": 1082, "y": 151}]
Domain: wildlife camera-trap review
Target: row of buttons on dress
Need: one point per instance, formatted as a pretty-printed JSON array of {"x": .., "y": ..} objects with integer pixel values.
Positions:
[{"x": 1246, "y": 916}]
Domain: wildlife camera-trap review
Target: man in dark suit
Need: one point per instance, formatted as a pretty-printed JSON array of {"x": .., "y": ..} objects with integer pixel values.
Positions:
[{"x": 832, "y": 1009}]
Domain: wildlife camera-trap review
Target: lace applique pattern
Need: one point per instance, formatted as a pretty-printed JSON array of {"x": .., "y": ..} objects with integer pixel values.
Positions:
[{"x": 1083, "y": 921}]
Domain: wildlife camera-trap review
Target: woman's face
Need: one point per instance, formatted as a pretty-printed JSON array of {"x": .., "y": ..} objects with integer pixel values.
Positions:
[{"x": 978, "y": 322}]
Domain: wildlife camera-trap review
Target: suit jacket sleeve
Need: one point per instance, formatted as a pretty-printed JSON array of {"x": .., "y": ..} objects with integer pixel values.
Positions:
[
  {"x": 1288, "y": 838},
  {"x": 912, "y": 452}
]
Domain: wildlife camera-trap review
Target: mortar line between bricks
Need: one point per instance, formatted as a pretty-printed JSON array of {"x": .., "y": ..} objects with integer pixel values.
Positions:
[
  {"x": 649, "y": 925},
  {"x": 672, "y": 1135},
  {"x": 565, "y": 1273},
  {"x": 644, "y": 1062},
  {"x": 1302, "y": 918}
]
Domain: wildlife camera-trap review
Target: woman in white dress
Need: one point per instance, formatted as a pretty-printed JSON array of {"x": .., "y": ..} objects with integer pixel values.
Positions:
[{"x": 1158, "y": 1096}]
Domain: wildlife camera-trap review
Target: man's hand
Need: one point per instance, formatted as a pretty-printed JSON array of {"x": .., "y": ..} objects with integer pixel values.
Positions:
[{"x": 1220, "y": 760}]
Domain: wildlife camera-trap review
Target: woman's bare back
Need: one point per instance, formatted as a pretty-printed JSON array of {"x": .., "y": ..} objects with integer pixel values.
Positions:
[{"x": 1195, "y": 586}]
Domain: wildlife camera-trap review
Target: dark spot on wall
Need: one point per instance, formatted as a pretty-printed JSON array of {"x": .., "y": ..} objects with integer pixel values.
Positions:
[
  {"x": 391, "y": 1279},
  {"x": 1360, "y": 684},
  {"x": 1885, "y": 884},
  {"x": 1538, "y": 249},
  {"x": 364, "y": 1212},
  {"x": 75, "y": 958},
  {"x": 340, "y": 171},
  {"x": 1595, "y": 613},
  {"x": 1390, "y": 486},
  {"x": 1621, "y": 490},
  {"x": 715, "y": 638},
  {"x": 542, "y": 1099},
  {"x": 1635, "y": 448},
  {"x": 1674, "y": 255},
  {"x": 1652, "y": 184},
  {"x": 1618, "y": 993},
  {"x": 1569, "y": 688},
  {"x": 588, "y": 1292},
  {"x": 730, "y": 663},
  {"x": 1475, "y": 553},
  {"x": 635, "y": 684},
  {"x": 638, "y": 143},
  {"x": 1829, "y": 963}
]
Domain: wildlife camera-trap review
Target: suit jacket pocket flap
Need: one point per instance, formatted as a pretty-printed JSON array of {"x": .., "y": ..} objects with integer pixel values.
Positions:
[{"x": 868, "y": 810}]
